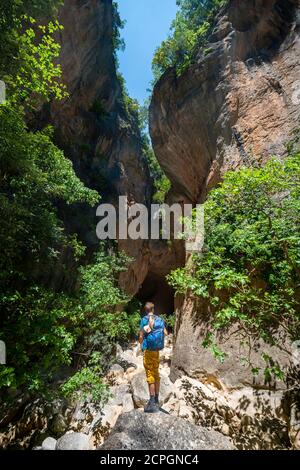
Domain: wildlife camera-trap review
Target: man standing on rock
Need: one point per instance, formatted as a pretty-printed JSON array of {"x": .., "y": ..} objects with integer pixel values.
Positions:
[{"x": 152, "y": 339}]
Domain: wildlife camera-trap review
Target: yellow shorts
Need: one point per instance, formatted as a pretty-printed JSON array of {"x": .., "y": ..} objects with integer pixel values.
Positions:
[{"x": 151, "y": 364}]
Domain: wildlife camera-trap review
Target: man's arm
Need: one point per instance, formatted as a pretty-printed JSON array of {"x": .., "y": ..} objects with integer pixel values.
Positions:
[
  {"x": 166, "y": 332},
  {"x": 141, "y": 336}
]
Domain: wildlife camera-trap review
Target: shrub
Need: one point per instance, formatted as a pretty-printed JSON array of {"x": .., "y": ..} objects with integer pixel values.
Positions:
[
  {"x": 249, "y": 270},
  {"x": 189, "y": 32}
]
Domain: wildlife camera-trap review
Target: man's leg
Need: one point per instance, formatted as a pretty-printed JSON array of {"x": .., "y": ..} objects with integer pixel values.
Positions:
[
  {"x": 152, "y": 389},
  {"x": 149, "y": 365},
  {"x": 157, "y": 387},
  {"x": 157, "y": 378}
]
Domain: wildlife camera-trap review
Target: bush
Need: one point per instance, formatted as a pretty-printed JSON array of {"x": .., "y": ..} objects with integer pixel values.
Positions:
[
  {"x": 249, "y": 270},
  {"x": 37, "y": 337},
  {"x": 87, "y": 383},
  {"x": 189, "y": 32}
]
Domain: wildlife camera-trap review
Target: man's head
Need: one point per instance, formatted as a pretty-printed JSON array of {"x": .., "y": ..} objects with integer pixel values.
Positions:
[{"x": 149, "y": 308}]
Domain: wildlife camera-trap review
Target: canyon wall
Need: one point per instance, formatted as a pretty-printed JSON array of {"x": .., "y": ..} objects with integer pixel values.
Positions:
[
  {"x": 93, "y": 125},
  {"x": 97, "y": 131},
  {"x": 237, "y": 104}
]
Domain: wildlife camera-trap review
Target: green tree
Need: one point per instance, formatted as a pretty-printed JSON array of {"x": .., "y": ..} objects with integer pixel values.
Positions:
[
  {"x": 189, "y": 32},
  {"x": 43, "y": 327}
]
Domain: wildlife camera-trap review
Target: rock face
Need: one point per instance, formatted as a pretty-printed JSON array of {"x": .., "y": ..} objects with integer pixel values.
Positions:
[
  {"x": 94, "y": 127},
  {"x": 191, "y": 358},
  {"x": 99, "y": 134},
  {"x": 93, "y": 124},
  {"x": 97, "y": 131},
  {"x": 254, "y": 419},
  {"x": 237, "y": 103},
  {"x": 140, "y": 431}
]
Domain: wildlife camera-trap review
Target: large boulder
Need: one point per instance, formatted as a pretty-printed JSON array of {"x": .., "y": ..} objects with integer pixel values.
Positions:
[
  {"x": 119, "y": 394},
  {"x": 159, "y": 431},
  {"x": 140, "y": 390},
  {"x": 115, "y": 374},
  {"x": 254, "y": 419},
  {"x": 104, "y": 422},
  {"x": 191, "y": 358},
  {"x": 73, "y": 441}
]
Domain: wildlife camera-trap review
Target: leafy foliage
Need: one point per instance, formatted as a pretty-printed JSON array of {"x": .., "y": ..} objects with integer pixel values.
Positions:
[
  {"x": 37, "y": 77},
  {"x": 170, "y": 321},
  {"x": 28, "y": 51},
  {"x": 34, "y": 174},
  {"x": 99, "y": 319},
  {"x": 189, "y": 32},
  {"x": 37, "y": 337},
  {"x": 87, "y": 383},
  {"x": 45, "y": 327},
  {"x": 249, "y": 270},
  {"x": 118, "y": 24}
]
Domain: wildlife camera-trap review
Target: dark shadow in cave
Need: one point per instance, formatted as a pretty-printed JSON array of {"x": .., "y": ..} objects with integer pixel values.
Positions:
[{"x": 156, "y": 289}]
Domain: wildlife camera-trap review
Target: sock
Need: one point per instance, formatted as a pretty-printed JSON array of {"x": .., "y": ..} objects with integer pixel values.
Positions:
[
  {"x": 156, "y": 399},
  {"x": 152, "y": 398}
]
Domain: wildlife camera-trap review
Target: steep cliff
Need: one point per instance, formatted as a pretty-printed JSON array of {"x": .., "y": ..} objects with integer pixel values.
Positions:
[
  {"x": 235, "y": 105},
  {"x": 93, "y": 124},
  {"x": 99, "y": 133}
]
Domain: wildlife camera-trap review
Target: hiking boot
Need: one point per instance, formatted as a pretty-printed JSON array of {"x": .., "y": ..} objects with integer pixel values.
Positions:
[{"x": 151, "y": 407}]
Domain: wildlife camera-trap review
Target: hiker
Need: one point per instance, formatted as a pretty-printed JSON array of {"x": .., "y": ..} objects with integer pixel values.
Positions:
[{"x": 152, "y": 338}]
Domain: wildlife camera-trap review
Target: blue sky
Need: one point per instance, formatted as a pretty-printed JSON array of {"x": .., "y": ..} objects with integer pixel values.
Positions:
[{"x": 147, "y": 25}]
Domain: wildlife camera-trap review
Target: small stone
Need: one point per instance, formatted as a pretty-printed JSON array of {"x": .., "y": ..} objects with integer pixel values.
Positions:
[
  {"x": 116, "y": 369},
  {"x": 58, "y": 425},
  {"x": 49, "y": 444},
  {"x": 225, "y": 430},
  {"x": 128, "y": 404}
]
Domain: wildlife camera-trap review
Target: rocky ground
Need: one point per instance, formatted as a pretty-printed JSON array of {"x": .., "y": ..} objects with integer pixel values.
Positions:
[{"x": 215, "y": 418}]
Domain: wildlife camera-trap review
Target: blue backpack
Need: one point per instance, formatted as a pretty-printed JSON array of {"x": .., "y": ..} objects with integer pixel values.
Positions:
[{"x": 155, "y": 340}]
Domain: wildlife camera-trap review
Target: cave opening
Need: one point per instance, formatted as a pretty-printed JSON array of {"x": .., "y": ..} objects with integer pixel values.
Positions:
[{"x": 156, "y": 289}]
